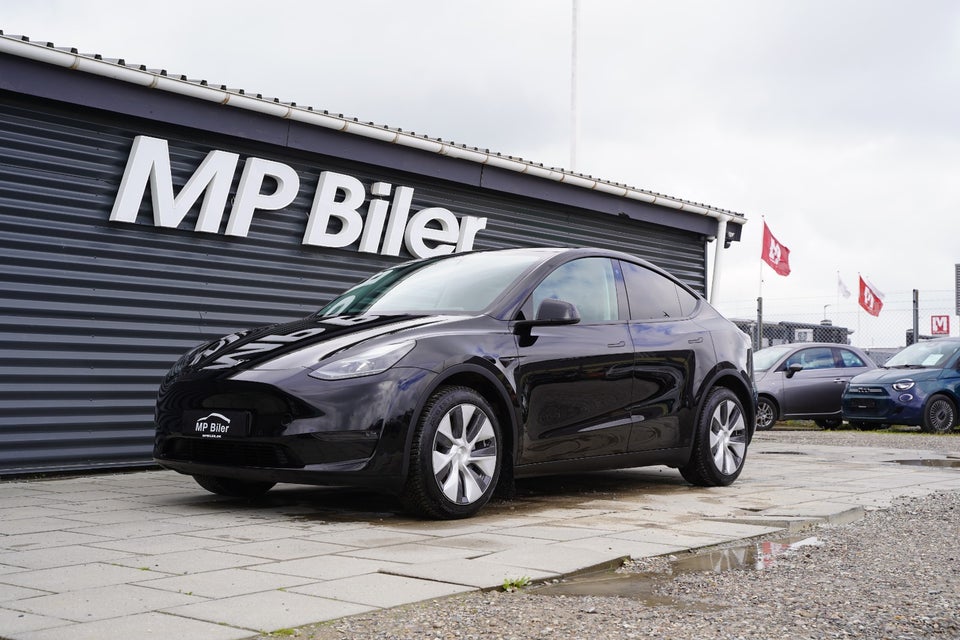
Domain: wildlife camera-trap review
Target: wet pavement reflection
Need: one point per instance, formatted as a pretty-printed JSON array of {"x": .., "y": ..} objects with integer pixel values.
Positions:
[{"x": 644, "y": 586}]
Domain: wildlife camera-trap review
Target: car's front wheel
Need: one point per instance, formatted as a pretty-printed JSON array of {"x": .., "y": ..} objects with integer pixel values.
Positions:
[
  {"x": 456, "y": 455},
  {"x": 232, "y": 487},
  {"x": 720, "y": 442},
  {"x": 940, "y": 414},
  {"x": 766, "y": 414}
]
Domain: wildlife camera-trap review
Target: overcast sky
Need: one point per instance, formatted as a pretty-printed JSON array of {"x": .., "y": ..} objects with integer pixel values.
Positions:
[{"x": 836, "y": 121}]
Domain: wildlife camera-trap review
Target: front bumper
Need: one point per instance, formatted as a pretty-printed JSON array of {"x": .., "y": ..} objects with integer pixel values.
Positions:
[
  {"x": 302, "y": 430},
  {"x": 883, "y": 404}
]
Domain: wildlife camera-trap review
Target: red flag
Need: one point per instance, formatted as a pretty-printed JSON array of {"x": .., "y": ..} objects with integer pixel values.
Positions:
[
  {"x": 870, "y": 299},
  {"x": 775, "y": 254}
]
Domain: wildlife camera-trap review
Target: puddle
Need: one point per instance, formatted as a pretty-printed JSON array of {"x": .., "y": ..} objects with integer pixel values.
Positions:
[
  {"x": 934, "y": 462},
  {"x": 643, "y": 586}
]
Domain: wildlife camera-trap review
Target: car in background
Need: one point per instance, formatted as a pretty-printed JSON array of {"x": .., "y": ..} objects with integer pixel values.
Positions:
[
  {"x": 805, "y": 381},
  {"x": 920, "y": 386},
  {"x": 439, "y": 379}
]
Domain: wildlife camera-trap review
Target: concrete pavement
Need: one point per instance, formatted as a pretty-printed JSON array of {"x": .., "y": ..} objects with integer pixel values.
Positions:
[{"x": 151, "y": 554}]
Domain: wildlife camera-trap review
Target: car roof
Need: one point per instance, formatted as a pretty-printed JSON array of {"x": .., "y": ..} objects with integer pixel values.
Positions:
[{"x": 801, "y": 345}]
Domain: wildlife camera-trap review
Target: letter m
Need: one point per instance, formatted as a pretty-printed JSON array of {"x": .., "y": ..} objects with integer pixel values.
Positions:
[{"x": 149, "y": 161}]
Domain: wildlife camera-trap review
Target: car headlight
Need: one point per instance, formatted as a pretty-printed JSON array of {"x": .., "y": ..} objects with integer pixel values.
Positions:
[
  {"x": 366, "y": 363},
  {"x": 903, "y": 385}
]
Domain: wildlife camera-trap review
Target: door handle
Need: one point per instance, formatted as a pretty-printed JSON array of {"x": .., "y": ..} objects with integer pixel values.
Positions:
[
  {"x": 695, "y": 340},
  {"x": 622, "y": 343}
]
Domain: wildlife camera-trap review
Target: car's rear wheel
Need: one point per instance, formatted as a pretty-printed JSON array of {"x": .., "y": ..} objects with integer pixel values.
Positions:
[
  {"x": 232, "y": 487},
  {"x": 720, "y": 442},
  {"x": 829, "y": 423},
  {"x": 940, "y": 414},
  {"x": 456, "y": 455},
  {"x": 767, "y": 414}
]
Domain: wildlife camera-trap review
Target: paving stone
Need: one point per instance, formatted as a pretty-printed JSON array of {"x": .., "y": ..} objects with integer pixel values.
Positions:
[
  {"x": 380, "y": 590},
  {"x": 140, "y": 627},
  {"x": 416, "y": 552},
  {"x": 270, "y": 611},
  {"x": 551, "y": 558},
  {"x": 102, "y": 603},
  {"x": 186, "y": 562},
  {"x": 326, "y": 567},
  {"x": 621, "y": 548},
  {"x": 552, "y": 532},
  {"x": 72, "y": 578},
  {"x": 159, "y": 544},
  {"x": 59, "y": 557},
  {"x": 225, "y": 583},
  {"x": 15, "y": 622},
  {"x": 244, "y": 533},
  {"x": 669, "y": 537},
  {"x": 11, "y": 593},
  {"x": 46, "y": 540},
  {"x": 369, "y": 537},
  {"x": 726, "y": 529},
  {"x": 284, "y": 549},
  {"x": 480, "y": 574}
]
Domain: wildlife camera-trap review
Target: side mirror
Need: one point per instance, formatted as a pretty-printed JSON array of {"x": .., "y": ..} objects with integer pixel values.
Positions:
[
  {"x": 551, "y": 312},
  {"x": 793, "y": 369}
]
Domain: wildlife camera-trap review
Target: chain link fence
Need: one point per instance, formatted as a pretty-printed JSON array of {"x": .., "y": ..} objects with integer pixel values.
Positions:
[{"x": 842, "y": 320}]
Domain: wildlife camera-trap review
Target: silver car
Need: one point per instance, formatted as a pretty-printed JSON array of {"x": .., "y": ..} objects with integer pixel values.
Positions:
[{"x": 805, "y": 381}]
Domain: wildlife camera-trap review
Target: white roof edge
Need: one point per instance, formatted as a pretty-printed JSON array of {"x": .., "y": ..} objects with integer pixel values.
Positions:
[{"x": 118, "y": 70}]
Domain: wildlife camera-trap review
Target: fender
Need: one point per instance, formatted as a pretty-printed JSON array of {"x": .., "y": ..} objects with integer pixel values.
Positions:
[
  {"x": 727, "y": 375},
  {"x": 496, "y": 381}
]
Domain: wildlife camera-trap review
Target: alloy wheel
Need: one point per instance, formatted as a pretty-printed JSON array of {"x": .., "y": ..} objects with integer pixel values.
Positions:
[
  {"x": 464, "y": 454},
  {"x": 728, "y": 437}
]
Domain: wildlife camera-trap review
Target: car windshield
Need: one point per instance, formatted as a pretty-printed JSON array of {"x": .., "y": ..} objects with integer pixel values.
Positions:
[
  {"x": 465, "y": 283},
  {"x": 923, "y": 355},
  {"x": 766, "y": 358}
]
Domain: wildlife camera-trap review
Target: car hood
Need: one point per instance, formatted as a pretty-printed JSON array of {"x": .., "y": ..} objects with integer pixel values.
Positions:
[
  {"x": 889, "y": 376},
  {"x": 295, "y": 344}
]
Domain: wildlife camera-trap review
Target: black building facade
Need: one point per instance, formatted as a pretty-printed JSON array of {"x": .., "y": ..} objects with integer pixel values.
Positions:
[{"x": 143, "y": 213}]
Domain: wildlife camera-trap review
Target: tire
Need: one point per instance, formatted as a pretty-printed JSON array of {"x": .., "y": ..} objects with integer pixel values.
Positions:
[
  {"x": 720, "y": 442},
  {"x": 767, "y": 414},
  {"x": 829, "y": 423},
  {"x": 456, "y": 457},
  {"x": 939, "y": 414},
  {"x": 232, "y": 487}
]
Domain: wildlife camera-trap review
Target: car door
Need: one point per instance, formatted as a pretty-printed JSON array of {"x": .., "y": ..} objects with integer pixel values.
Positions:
[
  {"x": 669, "y": 347},
  {"x": 817, "y": 387},
  {"x": 574, "y": 381}
]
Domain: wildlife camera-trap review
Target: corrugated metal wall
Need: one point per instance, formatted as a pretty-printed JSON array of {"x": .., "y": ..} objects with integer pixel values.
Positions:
[{"x": 93, "y": 312}]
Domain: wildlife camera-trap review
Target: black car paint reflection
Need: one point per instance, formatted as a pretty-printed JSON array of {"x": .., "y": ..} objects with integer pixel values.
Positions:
[{"x": 566, "y": 394}]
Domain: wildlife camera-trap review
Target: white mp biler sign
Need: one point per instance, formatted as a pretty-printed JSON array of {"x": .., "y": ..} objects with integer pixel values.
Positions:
[{"x": 386, "y": 227}]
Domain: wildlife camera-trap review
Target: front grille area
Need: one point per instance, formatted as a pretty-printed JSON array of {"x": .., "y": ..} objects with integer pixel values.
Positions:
[{"x": 230, "y": 453}]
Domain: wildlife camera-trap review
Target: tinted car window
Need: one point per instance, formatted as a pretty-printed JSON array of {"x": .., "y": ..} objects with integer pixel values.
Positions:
[
  {"x": 466, "y": 283},
  {"x": 589, "y": 284},
  {"x": 654, "y": 297},
  {"x": 766, "y": 358},
  {"x": 850, "y": 359},
  {"x": 813, "y": 358}
]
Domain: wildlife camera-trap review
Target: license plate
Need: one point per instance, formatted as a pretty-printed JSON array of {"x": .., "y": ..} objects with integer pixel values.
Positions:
[
  {"x": 864, "y": 404},
  {"x": 216, "y": 424}
]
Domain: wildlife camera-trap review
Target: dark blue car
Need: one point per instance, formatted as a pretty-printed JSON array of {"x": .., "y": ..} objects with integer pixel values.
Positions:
[{"x": 920, "y": 386}]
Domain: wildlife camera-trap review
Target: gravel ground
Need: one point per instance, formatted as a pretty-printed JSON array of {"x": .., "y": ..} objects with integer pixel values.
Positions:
[{"x": 894, "y": 574}]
